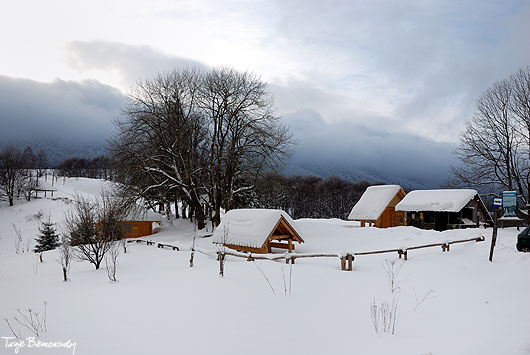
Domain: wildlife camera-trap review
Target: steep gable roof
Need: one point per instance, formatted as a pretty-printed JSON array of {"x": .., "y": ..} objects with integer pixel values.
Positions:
[
  {"x": 252, "y": 227},
  {"x": 373, "y": 202}
]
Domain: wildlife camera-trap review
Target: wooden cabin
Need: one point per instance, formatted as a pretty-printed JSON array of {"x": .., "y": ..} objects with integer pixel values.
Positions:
[
  {"x": 136, "y": 226},
  {"x": 376, "y": 207},
  {"x": 444, "y": 209},
  {"x": 257, "y": 231}
]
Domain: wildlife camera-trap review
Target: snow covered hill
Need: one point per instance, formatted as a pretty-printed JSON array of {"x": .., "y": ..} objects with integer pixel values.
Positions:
[{"x": 455, "y": 302}]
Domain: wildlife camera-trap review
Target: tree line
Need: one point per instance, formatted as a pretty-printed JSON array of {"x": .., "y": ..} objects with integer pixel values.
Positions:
[
  {"x": 19, "y": 170},
  {"x": 309, "y": 196},
  {"x": 494, "y": 148},
  {"x": 99, "y": 167}
]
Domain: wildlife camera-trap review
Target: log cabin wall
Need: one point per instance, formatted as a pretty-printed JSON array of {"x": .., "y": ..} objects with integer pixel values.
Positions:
[{"x": 136, "y": 229}]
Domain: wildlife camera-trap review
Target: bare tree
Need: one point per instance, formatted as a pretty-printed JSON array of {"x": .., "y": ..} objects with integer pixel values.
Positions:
[
  {"x": 93, "y": 226},
  {"x": 201, "y": 137},
  {"x": 41, "y": 163},
  {"x": 13, "y": 176},
  {"x": 111, "y": 261},
  {"x": 493, "y": 149},
  {"x": 18, "y": 238},
  {"x": 192, "y": 255},
  {"x": 160, "y": 140},
  {"x": 245, "y": 138},
  {"x": 65, "y": 257}
]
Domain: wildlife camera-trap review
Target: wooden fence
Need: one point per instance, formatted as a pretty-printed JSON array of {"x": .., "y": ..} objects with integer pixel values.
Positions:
[{"x": 346, "y": 258}]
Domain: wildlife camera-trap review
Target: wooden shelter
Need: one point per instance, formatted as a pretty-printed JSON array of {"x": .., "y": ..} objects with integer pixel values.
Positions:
[
  {"x": 444, "y": 209},
  {"x": 257, "y": 231},
  {"x": 376, "y": 207},
  {"x": 136, "y": 226}
]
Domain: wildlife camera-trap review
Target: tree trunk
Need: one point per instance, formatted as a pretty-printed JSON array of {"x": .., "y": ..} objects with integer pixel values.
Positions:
[
  {"x": 222, "y": 264},
  {"x": 199, "y": 216},
  {"x": 176, "y": 202},
  {"x": 64, "y": 274},
  {"x": 183, "y": 210}
]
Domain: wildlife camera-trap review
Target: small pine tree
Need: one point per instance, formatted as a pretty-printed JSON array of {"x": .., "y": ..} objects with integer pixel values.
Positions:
[{"x": 48, "y": 239}]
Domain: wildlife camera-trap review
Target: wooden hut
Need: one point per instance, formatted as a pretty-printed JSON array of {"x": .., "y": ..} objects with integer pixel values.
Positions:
[
  {"x": 444, "y": 209},
  {"x": 377, "y": 207},
  {"x": 140, "y": 225},
  {"x": 257, "y": 231}
]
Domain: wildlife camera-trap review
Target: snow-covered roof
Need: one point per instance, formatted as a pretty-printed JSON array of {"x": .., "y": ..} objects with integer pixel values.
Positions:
[
  {"x": 448, "y": 200},
  {"x": 373, "y": 202},
  {"x": 249, "y": 227},
  {"x": 144, "y": 215}
]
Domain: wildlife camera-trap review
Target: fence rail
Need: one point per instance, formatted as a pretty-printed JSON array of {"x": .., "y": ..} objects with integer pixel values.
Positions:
[{"x": 346, "y": 258}]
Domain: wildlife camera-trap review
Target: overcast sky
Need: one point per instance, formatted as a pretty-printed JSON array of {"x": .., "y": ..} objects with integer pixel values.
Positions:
[{"x": 392, "y": 75}]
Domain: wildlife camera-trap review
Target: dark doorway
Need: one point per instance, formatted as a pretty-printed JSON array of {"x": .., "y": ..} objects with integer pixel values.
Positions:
[{"x": 440, "y": 221}]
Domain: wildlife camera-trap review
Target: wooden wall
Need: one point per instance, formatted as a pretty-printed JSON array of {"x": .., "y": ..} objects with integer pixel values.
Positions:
[
  {"x": 390, "y": 217},
  {"x": 137, "y": 229}
]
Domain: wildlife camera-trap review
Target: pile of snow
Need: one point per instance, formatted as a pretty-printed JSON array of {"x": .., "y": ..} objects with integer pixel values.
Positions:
[
  {"x": 373, "y": 202},
  {"x": 448, "y": 200},
  {"x": 249, "y": 227}
]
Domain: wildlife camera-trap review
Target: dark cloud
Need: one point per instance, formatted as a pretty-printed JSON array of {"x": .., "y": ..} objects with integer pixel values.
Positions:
[
  {"x": 133, "y": 62},
  {"x": 360, "y": 151},
  {"x": 80, "y": 112}
]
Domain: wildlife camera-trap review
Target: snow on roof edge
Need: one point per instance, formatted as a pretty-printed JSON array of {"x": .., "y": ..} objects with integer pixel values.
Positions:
[{"x": 441, "y": 200}]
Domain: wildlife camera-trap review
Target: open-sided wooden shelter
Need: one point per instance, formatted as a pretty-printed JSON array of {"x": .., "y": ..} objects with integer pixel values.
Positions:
[
  {"x": 257, "y": 231},
  {"x": 444, "y": 209},
  {"x": 377, "y": 207}
]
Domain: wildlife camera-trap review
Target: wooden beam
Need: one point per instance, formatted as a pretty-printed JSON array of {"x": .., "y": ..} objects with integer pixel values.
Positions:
[
  {"x": 282, "y": 245},
  {"x": 281, "y": 237}
]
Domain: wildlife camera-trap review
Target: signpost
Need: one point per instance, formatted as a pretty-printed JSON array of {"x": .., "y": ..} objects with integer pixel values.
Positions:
[{"x": 494, "y": 235}]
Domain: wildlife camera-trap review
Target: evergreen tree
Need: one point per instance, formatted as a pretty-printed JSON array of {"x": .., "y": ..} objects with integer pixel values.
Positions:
[{"x": 48, "y": 239}]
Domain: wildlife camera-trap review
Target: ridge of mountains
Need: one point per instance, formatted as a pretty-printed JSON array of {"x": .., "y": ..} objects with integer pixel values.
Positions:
[
  {"x": 353, "y": 173},
  {"x": 58, "y": 151}
]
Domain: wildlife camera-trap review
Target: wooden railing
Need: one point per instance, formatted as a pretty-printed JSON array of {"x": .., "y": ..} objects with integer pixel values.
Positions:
[{"x": 346, "y": 258}]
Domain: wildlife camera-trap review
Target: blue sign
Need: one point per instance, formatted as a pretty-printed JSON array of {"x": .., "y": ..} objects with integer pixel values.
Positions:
[
  {"x": 497, "y": 203},
  {"x": 509, "y": 204}
]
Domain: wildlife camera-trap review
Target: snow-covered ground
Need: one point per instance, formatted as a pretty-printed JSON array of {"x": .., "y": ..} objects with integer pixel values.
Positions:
[{"x": 162, "y": 306}]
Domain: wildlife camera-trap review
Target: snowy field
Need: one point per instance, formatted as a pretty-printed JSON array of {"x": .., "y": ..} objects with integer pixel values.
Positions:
[{"x": 162, "y": 306}]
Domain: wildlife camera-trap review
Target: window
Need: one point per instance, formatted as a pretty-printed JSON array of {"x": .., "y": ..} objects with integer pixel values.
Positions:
[{"x": 127, "y": 228}]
